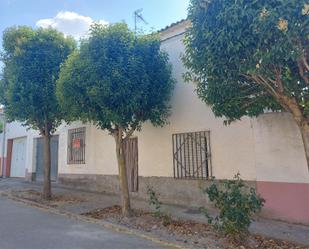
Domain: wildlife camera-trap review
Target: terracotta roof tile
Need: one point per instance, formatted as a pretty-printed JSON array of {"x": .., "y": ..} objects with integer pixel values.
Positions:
[{"x": 172, "y": 25}]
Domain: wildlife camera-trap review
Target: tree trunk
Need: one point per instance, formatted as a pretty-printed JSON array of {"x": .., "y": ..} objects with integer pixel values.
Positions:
[
  {"x": 304, "y": 129},
  {"x": 47, "y": 165},
  {"x": 123, "y": 180}
]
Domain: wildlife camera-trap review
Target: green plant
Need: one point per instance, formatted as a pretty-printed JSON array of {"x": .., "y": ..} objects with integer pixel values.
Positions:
[
  {"x": 237, "y": 203},
  {"x": 154, "y": 201}
]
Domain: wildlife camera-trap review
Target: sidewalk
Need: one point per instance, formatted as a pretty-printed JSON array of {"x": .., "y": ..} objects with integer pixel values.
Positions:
[{"x": 274, "y": 229}]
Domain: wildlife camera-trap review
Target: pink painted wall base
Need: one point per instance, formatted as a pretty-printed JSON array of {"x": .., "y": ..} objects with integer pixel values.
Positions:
[{"x": 285, "y": 201}]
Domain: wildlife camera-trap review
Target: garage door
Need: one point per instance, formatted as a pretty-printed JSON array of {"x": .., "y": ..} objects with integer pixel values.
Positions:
[
  {"x": 18, "y": 163},
  {"x": 40, "y": 158}
]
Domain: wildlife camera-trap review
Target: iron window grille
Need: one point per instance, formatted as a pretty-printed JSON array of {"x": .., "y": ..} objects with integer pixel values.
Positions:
[
  {"x": 76, "y": 146},
  {"x": 191, "y": 155}
]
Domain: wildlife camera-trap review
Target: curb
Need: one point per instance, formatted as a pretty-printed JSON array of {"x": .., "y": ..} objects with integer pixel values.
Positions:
[{"x": 105, "y": 224}]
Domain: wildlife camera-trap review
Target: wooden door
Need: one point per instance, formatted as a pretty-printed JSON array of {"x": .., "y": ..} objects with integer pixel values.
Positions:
[{"x": 131, "y": 161}]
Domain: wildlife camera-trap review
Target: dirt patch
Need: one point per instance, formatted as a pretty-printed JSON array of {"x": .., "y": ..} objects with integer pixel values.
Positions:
[
  {"x": 57, "y": 200},
  {"x": 192, "y": 234}
]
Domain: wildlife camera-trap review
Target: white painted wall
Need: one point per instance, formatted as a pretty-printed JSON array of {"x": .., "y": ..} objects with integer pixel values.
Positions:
[
  {"x": 189, "y": 114},
  {"x": 279, "y": 149},
  {"x": 268, "y": 148},
  {"x": 90, "y": 157},
  {"x": 232, "y": 147},
  {"x": 16, "y": 130}
]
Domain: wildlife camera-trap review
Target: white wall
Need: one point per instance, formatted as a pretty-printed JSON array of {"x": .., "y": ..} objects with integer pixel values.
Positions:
[
  {"x": 16, "y": 130},
  {"x": 279, "y": 150},
  {"x": 268, "y": 148},
  {"x": 90, "y": 167},
  {"x": 232, "y": 146}
]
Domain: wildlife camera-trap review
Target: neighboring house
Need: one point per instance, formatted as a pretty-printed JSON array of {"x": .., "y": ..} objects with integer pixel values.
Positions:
[{"x": 178, "y": 158}]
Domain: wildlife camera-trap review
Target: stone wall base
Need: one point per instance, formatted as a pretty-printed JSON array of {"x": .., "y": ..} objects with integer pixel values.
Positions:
[
  {"x": 171, "y": 191},
  {"x": 189, "y": 193}
]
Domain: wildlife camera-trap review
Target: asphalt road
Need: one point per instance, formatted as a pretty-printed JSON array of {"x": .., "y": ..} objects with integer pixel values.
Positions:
[{"x": 23, "y": 227}]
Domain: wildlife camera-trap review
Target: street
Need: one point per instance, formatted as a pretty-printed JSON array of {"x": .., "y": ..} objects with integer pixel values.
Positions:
[{"x": 24, "y": 227}]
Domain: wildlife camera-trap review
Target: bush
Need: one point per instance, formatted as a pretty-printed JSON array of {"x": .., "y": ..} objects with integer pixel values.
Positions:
[
  {"x": 154, "y": 201},
  {"x": 236, "y": 202}
]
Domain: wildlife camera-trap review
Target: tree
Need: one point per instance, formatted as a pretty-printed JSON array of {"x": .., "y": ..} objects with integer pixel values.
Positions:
[
  {"x": 117, "y": 81},
  {"x": 32, "y": 61},
  {"x": 250, "y": 56}
]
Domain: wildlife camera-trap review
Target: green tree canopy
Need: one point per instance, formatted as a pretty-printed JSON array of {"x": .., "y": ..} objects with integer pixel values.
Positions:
[
  {"x": 117, "y": 81},
  {"x": 32, "y": 60},
  {"x": 251, "y": 56}
]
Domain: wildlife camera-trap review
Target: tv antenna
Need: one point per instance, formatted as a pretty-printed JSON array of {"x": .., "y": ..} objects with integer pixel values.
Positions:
[{"x": 138, "y": 17}]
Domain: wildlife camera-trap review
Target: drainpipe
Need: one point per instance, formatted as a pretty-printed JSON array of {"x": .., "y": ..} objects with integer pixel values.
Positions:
[{"x": 3, "y": 147}]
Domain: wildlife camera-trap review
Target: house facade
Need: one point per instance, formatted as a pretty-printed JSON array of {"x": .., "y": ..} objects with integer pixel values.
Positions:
[{"x": 177, "y": 160}]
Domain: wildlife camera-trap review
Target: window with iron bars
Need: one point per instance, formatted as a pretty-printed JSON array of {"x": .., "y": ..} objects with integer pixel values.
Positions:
[
  {"x": 76, "y": 146},
  {"x": 191, "y": 155}
]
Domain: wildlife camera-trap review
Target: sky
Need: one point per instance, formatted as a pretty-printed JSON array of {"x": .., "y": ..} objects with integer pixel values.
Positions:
[{"x": 73, "y": 17}]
